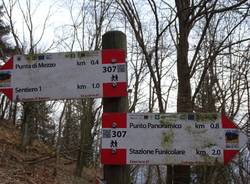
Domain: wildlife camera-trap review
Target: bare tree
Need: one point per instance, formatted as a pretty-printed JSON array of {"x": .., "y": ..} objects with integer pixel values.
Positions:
[
  {"x": 85, "y": 32},
  {"x": 188, "y": 15},
  {"x": 183, "y": 20},
  {"x": 27, "y": 10},
  {"x": 152, "y": 51}
]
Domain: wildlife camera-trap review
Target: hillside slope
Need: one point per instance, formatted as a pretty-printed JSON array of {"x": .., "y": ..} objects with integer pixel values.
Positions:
[{"x": 35, "y": 165}]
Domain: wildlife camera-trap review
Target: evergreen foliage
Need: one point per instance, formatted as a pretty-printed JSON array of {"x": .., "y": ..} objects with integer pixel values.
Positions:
[{"x": 5, "y": 47}]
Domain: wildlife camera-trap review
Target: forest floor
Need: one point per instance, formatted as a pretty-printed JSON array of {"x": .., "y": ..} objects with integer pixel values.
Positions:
[{"x": 35, "y": 165}]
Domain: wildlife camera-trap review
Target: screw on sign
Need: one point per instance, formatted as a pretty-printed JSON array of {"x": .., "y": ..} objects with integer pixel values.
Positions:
[
  {"x": 87, "y": 74},
  {"x": 100, "y": 181},
  {"x": 184, "y": 139}
]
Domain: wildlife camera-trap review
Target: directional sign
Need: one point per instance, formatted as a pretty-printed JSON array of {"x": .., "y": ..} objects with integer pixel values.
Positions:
[
  {"x": 65, "y": 75},
  {"x": 186, "y": 139}
]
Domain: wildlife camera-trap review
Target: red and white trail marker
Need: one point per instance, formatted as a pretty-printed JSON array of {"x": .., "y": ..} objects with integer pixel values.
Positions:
[
  {"x": 186, "y": 139},
  {"x": 92, "y": 74}
]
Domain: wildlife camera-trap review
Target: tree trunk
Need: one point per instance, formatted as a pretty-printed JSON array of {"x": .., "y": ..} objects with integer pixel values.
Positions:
[
  {"x": 181, "y": 174},
  {"x": 85, "y": 152},
  {"x": 28, "y": 121},
  {"x": 58, "y": 142}
]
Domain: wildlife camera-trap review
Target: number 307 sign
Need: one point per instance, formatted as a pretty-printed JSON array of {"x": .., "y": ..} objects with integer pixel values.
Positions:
[
  {"x": 49, "y": 76},
  {"x": 185, "y": 138}
]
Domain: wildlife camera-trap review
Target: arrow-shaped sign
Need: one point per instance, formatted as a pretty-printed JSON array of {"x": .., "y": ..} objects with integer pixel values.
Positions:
[
  {"x": 49, "y": 76},
  {"x": 187, "y": 139}
]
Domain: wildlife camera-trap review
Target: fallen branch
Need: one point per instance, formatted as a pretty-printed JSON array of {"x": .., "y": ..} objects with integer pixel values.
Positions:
[{"x": 42, "y": 159}]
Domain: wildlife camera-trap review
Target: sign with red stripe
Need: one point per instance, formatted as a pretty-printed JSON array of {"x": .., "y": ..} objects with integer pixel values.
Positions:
[
  {"x": 185, "y": 139},
  {"x": 92, "y": 74}
]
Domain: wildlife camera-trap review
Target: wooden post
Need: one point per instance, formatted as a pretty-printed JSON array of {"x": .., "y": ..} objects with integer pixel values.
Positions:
[{"x": 115, "y": 174}]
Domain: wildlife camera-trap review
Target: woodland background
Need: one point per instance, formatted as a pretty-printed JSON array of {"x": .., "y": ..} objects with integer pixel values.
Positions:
[{"x": 183, "y": 56}]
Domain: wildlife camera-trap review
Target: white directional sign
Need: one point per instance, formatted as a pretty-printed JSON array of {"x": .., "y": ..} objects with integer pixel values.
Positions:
[
  {"x": 65, "y": 75},
  {"x": 187, "y": 139}
]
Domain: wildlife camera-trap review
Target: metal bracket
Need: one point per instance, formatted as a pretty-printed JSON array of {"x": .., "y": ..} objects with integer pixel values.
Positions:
[
  {"x": 114, "y": 84},
  {"x": 113, "y": 61},
  {"x": 114, "y": 125}
]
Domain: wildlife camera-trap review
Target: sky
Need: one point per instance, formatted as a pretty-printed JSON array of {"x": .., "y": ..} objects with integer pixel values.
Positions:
[{"x": 50, "y": 11}]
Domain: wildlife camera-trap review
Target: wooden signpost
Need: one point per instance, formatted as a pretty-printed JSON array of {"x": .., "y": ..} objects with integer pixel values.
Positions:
[{"x": 114, "y": 174}]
